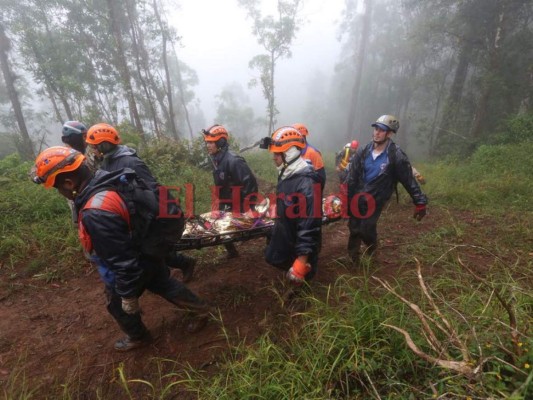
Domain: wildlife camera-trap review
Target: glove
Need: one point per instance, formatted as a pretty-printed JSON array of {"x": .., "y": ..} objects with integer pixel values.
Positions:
[
  {"x": 420, "y": 179},
  {"x": 296, "y": 274},
  {"x": 130, "y": 305},
  {"x": 420, "y": 211}
]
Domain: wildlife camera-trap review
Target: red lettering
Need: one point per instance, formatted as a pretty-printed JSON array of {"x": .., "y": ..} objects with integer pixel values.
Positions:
[
  {"x": 317, "y": 201},
  {"x": 189, "y": 200},
  {"x": 250, "y": 200},
  {"x": 165, "y": 200},
  {"x": 235, "y": 202},
  {"x": 300, "y": 205}
]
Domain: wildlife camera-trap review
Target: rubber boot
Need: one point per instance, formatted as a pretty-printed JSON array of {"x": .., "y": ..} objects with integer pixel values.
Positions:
[
  {"x": 372, "y": 252},
  {"x": 128, "y": 343},
  {"x": 182, "y": 262},
  {"x": 354, "y": 251},
  {"x": 231, "y": 250},
  {"x": 189, "y": 301},
  {"x": 187, "y": 268}
]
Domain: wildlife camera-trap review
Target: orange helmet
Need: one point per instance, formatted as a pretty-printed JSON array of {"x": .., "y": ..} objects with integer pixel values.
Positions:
[
  {"x": 102, "y": 133},
  {"x": 54, "y": 161},
  {"x": 285, "y": 137},
  {"x": 302, "y": 129},
  {"x": 215, "y": 133}
]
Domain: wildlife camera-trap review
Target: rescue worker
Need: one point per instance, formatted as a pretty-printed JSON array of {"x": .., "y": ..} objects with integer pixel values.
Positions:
[
  {"x": 104, "y": 228},
  {"x": 312, "y": 154},
  {"x": 343, "y": 158},
  {"x": 104, "y": 140},
  {"x": 295, "y": 240},
  {"x": 230, "y": 173},
  {"x": 372, "y": 178},
  {"x": 73, "y": 134}
]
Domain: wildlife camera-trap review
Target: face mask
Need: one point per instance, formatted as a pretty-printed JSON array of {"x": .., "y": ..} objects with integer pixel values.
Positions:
[{"x": 75, "y": 141}]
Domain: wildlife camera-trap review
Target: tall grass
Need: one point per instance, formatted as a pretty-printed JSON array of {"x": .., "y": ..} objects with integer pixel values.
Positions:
[
  {"x": 495, "y": 178},
  {"x": 339, "y": 346},
  {"x": 341, "y": 349}
]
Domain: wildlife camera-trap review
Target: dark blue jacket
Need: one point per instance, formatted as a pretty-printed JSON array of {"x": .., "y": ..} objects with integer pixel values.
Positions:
[
  {"x": 292, "y": 237},
  {"x": 232, "y": 170},
  {"x": 126, "y": 157}
]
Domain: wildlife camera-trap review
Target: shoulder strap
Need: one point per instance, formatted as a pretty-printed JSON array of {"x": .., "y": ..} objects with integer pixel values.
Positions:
[{"x": 392, "y": 160}]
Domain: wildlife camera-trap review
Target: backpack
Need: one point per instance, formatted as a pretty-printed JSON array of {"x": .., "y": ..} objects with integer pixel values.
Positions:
[{"x": 152, "y": 232}]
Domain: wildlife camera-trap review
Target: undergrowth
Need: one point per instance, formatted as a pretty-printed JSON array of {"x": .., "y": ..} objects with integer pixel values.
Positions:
[{"x": 343, "y": 345}]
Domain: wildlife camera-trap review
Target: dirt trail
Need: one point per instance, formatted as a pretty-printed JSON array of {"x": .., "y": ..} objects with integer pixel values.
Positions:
[{"x": 61, "y": 332}]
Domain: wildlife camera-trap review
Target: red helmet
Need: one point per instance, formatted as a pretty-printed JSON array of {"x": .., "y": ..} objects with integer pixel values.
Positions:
[
  {"x": 354, "y": 145},
  {"x": 54, "y": 161},
  {"x": 302, "y": 129},
  {"x": 285, "y": 137},
  {"x": 215, "y": 133},
  {"x": 102, "y": 133}
]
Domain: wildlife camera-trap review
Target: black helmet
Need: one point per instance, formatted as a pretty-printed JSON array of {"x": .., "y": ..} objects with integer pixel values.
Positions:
[{"x": 73, "y": 128}]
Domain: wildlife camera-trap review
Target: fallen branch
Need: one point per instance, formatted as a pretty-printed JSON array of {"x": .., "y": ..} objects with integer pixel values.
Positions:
[{"x": 466, "y": 366}]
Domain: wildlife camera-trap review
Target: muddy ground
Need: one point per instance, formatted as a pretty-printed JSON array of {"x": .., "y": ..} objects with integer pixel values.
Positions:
[{"x": 60, "y": 332}]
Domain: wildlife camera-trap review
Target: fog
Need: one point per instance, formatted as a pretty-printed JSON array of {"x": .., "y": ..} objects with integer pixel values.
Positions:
[
  {"x": 454, "y": 73},
  {"x": 217, "y": 41}
]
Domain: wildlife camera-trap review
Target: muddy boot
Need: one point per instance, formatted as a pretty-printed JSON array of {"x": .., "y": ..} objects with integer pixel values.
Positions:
[
  {"x": 189, "y": 301},
  {"x": 372, "y": 253},
  {"x": 187, "y": 268},
  {"x": 182, "y": 262},
  {"x": 231, "y": 250},
  {"x": 127, "y": 343},
  {"x": 354, "y": 251},
  {"x": 196, "y": 323}
]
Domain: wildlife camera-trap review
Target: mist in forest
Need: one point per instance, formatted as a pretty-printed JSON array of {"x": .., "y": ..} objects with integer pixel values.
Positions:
[{"x": 453, "y": 72}]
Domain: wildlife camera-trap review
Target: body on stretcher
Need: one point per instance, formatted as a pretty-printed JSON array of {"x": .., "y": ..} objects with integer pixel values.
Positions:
[{"x": 219, "y": 227}]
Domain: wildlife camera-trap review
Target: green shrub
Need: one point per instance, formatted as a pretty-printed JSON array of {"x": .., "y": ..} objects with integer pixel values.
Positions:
[{"x": 517, "y": 129}]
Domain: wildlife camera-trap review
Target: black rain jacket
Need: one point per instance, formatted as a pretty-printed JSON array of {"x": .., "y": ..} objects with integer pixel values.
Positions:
[
  {"x": 381, "y": 188},
  {"x": 232, "y": 170},
  {"x": 126, "y": 157},
  {"x": 293, "y": 237}
]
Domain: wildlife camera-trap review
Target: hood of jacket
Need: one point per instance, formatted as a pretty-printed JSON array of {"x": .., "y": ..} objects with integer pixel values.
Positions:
[
  {"x": 121, "y": 151},
  {"x": 101, "y": 180}
]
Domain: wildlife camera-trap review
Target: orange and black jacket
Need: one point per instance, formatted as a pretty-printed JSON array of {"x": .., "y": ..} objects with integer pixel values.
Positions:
[
  {"x": 104, "y": 228},
  {"x": 315, "y": 157}
]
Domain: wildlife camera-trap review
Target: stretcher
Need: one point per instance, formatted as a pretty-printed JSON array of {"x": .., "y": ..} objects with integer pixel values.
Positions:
[{"x": 218, "y": 227}]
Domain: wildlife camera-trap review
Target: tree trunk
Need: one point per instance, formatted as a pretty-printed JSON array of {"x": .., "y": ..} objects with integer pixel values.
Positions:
[
  {"x": 171, "y": 115},
  {"x": 493, "y": 71},
  {"x": 365, "y": 33},
  {"x": 271, "y": 98},
  {"x": 142, "y": 63},
  {"x": 526, "y": 103},
  {"x": 182, "y": 96},
  {"x": 26, "y": 147},
  {"x": 123, "y": 69},
  {"x": 453, "y": 102}
]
